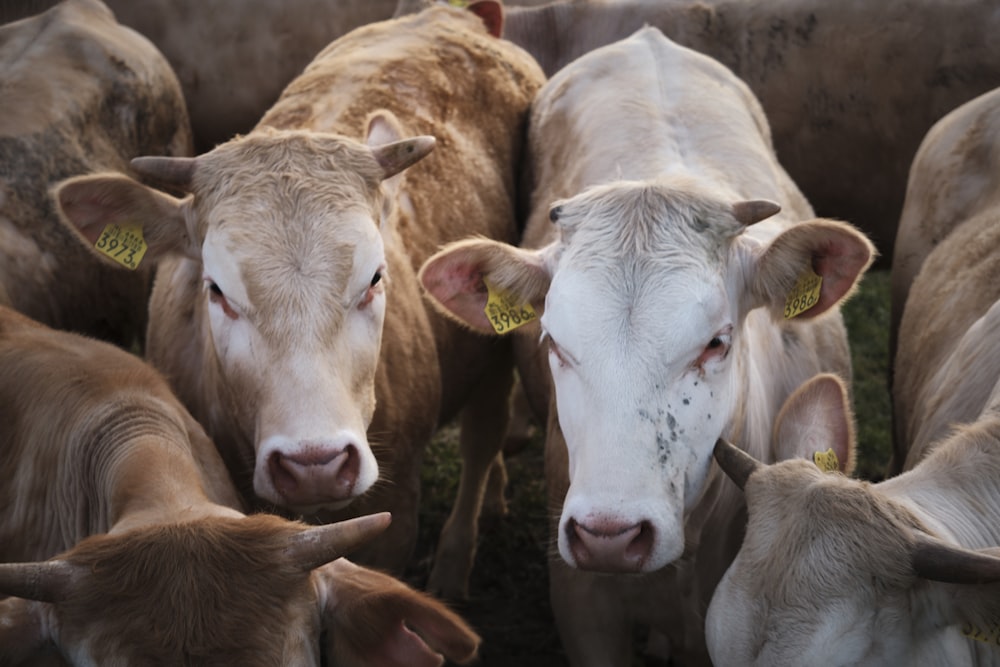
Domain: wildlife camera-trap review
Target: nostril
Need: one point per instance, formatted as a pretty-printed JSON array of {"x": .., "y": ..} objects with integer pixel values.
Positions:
[
  {"x": 283, "y": 477},
  {"x": 610, "y": 546},
  {"x": 642, "y": 545}
]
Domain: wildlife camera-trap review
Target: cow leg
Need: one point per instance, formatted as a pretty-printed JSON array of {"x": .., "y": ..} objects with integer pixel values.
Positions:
[
  {"x": 484, "y": 427},
  {"x": 591, "y": 615}
]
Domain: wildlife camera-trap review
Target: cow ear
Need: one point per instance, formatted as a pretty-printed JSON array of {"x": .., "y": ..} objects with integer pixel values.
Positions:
[
  {"x": 491, "y": 12},
  {"x": 816, "y": 423},
  {"x": 25, "y": 630},
  {"x": 463, "y": 277},
  {"x": 121, "y": 219},
  {"x": 370, "y": 618},
  {"x": 809, "y": 268}
]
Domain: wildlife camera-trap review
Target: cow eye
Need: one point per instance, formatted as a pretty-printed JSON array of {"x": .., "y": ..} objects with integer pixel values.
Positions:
[
  {"x": 374, "y": 287},
  {"x": 216, "y": 296},
  {"x": 376, "y": 279},
  {"x": 716, "y": 348}
]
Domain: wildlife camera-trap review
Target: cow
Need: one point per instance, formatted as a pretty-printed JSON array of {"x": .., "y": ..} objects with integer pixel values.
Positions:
[
  {"x": 124, "y": 539},
  {"x": 912, "y": 563},
  {"x": 849, "y": 88},
  {"x": 666, "y": 258},
  {"x": 953, "y": 180},
  {"x": 286, "y": 311},
  {"x": 82, "y": 94}
]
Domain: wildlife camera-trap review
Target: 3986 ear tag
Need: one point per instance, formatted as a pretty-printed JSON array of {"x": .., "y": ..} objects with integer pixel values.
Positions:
[
  {"x": 804, "y": 295},
  {"x": 503, "y": 312},
  {"x": 123, "y": 243},
  {"x": 827, "y": 461}
]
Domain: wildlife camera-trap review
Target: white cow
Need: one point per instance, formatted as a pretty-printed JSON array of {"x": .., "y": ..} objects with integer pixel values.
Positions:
[
  {"x": 886, "y": 580},
  {"x": 289, "y": 318},
  {"x": 663, "y": 299}
]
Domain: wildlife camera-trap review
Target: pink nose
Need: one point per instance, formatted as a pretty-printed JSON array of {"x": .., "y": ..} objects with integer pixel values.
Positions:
[
  {"x": 605, "y": 545},
  {"x": 315, "y": 476}
]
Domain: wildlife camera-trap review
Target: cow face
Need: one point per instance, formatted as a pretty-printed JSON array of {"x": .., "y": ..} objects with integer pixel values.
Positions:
[
  {"x": 237, "y": 590},
  {"x": 283, "y": 238},
  {"x": 644, "y": 297}
]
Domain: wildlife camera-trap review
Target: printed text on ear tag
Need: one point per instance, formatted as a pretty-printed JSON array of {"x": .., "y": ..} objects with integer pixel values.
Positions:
[
  {"x": 804, "y": 295},
  {"x": 124, "y": 244},
  {"x": 827, "y": 461},
  {"x": 503, "y": 313}
]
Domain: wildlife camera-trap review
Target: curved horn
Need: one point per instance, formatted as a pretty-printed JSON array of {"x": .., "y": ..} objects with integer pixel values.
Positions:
[
  {"x": 938, "y": 561},
  {"x": 755, "y": 210},
  {"x": 172, "y": 171},
  {"x": 49, "y": 581},
  {"x": 398, "y": 155},
  {"x": 319, "y": 545},
  {"x": 736, "y": 463}
]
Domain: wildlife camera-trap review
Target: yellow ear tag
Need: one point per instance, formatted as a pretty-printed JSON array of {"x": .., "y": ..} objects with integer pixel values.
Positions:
[
  {"x": 124, "y": 244},
  {"x": 804, "y": 295},
  {"x": 980, "y": 635},
  {"x": 459, "y": 3},
  {"x": 503, "y": 313},
  {"x": 827, "y": 461}
]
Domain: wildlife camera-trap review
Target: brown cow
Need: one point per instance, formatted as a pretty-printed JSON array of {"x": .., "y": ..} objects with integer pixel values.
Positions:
[
  {"x": 268, "y": 316},
  {"x": 156, "y": 563},
  {"x": 81, "y": 94},
  {"x": 849, "y": 87}
]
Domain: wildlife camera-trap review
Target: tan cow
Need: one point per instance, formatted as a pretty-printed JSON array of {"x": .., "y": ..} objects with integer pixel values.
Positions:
[
  {"x": 676, "y": 303},
  {"x": 153, "y": 562},
  {"x": 955, "y": 178},
  {"x": 81, "y": 94},
  {"x": 289, "y": 318},
  {"x": 897, "y": 571},
  {"x": 849, "y": 87}
]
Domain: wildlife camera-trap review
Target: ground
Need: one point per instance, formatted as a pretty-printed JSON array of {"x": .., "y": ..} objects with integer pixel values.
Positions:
[{"x": 509, "y": 603}]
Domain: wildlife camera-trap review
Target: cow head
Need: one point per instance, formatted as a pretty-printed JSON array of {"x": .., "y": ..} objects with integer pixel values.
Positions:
[
  {"x": 644, "y": 297},
  {"x": 832, "y": 571},
  {"x": 252, "y": 591},
  {"x": 282, "y": 236}
]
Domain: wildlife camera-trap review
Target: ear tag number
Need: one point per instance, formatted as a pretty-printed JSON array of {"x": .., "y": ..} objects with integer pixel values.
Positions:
[
  {"x": 124, "y": 244},
  {"x": 503, "y": 313},
  {"x": 827, "y": 461},
  {"x": 804, "y": 295},
  {"x": 980, "y": 635}
]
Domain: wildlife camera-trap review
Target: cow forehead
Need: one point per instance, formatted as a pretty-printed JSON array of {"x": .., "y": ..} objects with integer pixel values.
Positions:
[{"x": 211, "y": 587}]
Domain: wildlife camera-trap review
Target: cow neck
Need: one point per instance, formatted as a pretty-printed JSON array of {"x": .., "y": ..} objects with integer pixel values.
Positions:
[
  {"x": 139, "y": 470},
  {"x": 957, "y": 487}
]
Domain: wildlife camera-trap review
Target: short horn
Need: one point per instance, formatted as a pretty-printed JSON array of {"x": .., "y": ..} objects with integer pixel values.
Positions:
[
  {"x": 938, "y": 561},
  {"x": 736, "y": 463},
  {"x": 398, "y": 155},
  {"x": 49, "y": 581},
  {"x": 755, "y": 210},
  {"x": 321, "y": 544},
  {"x": 170, "y": 171}
]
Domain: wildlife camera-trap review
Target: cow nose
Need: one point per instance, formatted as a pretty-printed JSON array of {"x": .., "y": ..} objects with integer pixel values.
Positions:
[
  {"x": 605, "y": 545},
  {"x": 315, "y": 475}
]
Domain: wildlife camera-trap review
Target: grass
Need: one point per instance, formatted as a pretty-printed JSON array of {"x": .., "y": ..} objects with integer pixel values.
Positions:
[{"x": 509, "y": 603}]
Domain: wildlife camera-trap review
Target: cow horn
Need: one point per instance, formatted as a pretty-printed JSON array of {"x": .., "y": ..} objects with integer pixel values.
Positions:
[
  {"x": 49, "y": 581},
  {"x": 938, "y": 561},
  {"x": 396, "y": 156},
  {"x": 319, "y": 545},
  {"x": 755, "y": 210},
  {"x": 170, "y": 171},
  {"x": 736, "y": 463}
]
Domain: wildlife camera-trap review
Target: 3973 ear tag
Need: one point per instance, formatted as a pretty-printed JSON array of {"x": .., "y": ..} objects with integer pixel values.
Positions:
[
  {"x": 124, "y": 244},
  {"x": 804, "y": 295},
  {"x": 503, "y": 312},
  {"x": 827, "y": 461}
]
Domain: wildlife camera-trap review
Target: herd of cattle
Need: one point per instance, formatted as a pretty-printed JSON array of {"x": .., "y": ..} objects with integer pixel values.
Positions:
[{"x": 320, "y": 266}]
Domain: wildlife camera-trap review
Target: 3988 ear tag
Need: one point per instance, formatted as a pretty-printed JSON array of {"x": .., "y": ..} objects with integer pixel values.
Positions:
[
  {"x": 503, "y": 312},
  {"x": 123, "y": 243},
  {"x": 804, "y": 295}
]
